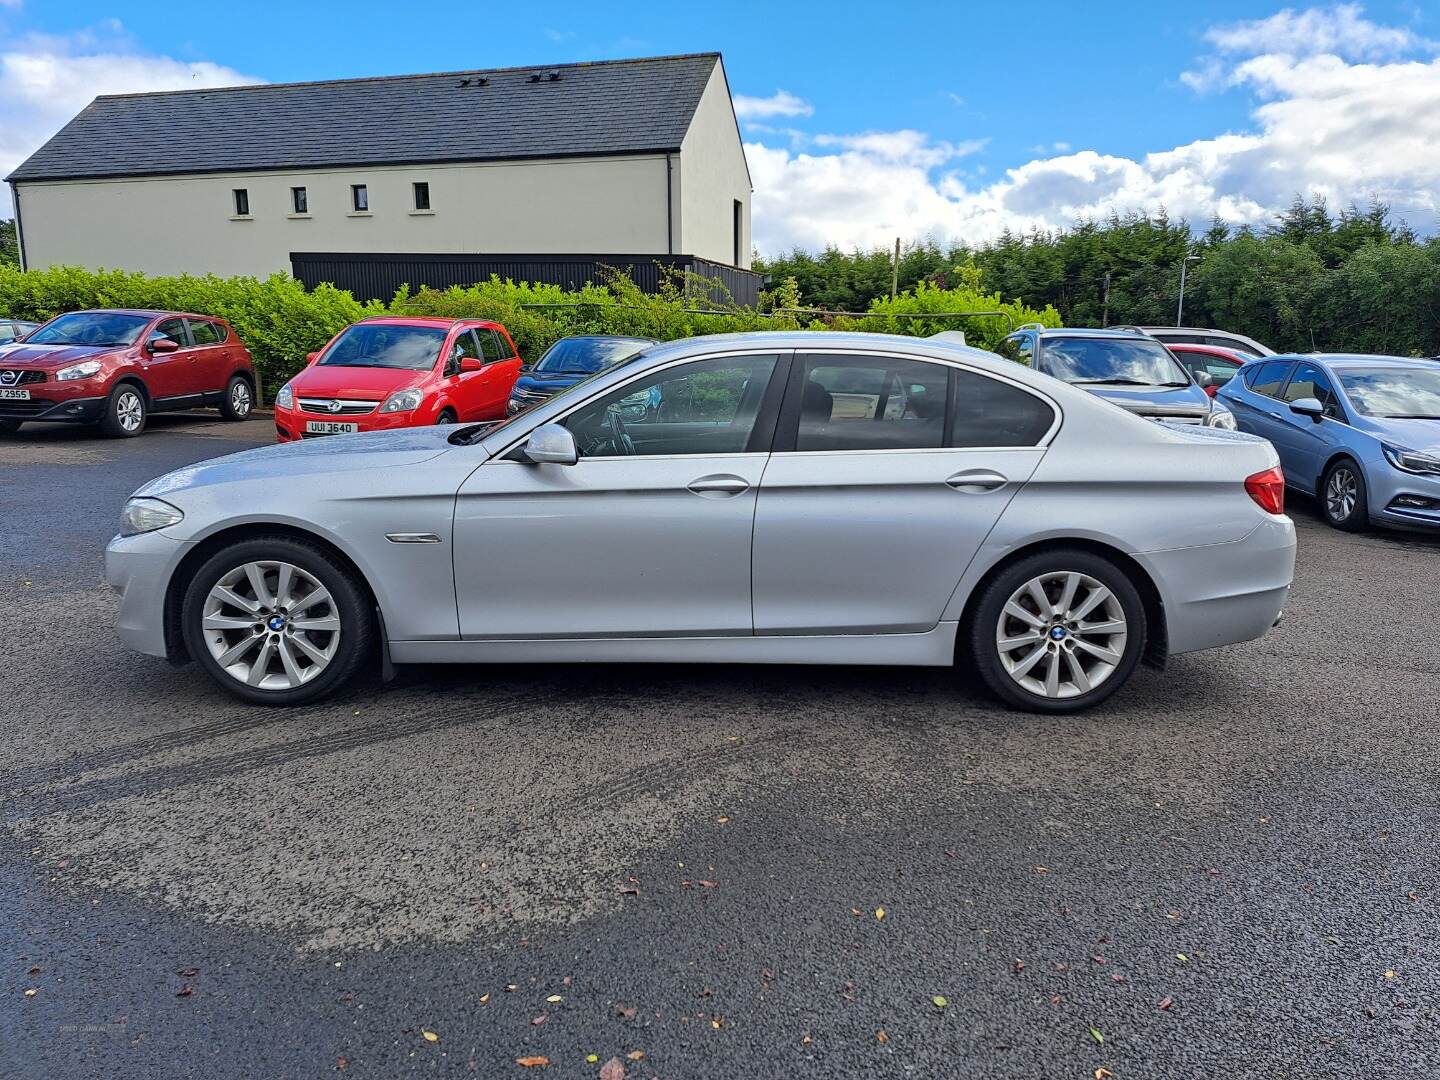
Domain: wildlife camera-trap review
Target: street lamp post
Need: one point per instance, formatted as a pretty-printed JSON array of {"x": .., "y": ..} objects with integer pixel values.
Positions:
[{"x": 1180, "y": 307}]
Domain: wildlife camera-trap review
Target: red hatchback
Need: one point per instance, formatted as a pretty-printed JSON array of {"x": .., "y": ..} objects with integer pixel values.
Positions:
[
  {"x": 392, "y": 372},
  {"x": 1217, "y": 364},
  {"x": 114, "y": 368}
]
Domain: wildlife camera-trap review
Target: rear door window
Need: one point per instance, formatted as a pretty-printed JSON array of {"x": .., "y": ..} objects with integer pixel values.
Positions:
[
  {"x": 870, "y": 403},
  {"x": 205, "y": 332},
  {"x": 490, "y": 346},
  {"x": 1269, "y": 377}
]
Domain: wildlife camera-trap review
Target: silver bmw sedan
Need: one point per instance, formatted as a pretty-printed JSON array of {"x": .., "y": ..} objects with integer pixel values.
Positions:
[{"x": 786, "y": 498}]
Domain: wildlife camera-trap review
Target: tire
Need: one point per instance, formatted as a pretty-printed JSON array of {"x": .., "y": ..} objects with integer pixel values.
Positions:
[
  {"x": 288, "y": 664},
  {"x": 1020, "y": 675},
  {"x": 239, "y": 400},
  {"x": 10, "y": 427},
  {"x": 447, "y": 416},
  {"x": 1347, "y": 507},
  {"x": 125, "y": 412}
]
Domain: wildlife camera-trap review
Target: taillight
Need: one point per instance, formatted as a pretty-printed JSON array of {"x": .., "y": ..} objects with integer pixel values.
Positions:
[{"x": 1268, "y": 490}]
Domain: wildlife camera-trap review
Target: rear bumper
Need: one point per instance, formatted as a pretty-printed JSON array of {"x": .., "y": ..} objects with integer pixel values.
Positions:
[
  {"x": 139, "y": 568},
  {"x": 1221, "y": 594},
  {"x": 54, "y": 409}
]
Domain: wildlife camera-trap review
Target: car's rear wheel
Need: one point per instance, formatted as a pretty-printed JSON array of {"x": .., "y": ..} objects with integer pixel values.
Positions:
[
  {"x": 277, "y": 621},
  {"x": 239, "y": 400},
  {"x": 10, "y": 427},
  {"x": 125, "y": 412},
  {"x": 1343, "y": 498},
  {"x": 447, "y": 416},
  {"x": 1058, "y": 631}
]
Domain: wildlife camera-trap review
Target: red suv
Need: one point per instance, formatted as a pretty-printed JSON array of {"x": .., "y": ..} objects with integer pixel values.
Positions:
[
  {"x": 395, "y": 372},
  {"x": 114, "y": 368}
]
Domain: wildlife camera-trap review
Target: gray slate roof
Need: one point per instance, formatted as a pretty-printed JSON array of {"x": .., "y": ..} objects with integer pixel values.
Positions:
[{"x": 611, "y": 107}]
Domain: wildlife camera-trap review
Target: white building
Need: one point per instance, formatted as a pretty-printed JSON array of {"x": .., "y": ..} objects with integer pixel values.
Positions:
[{"x": 615, "y": 159}]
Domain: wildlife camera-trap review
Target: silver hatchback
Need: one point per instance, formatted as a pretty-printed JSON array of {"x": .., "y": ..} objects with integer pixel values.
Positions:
[{"x": 785, "y": 498}]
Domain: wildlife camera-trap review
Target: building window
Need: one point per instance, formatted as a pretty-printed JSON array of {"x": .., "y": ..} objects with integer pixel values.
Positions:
[
  {"x": 242, "y": 202},
  {"x": 739, "y": 216},
  {"x": 422, "y": 195},
  {"x": 359, "y": 198},
  {"x": 299, "y": 202}
]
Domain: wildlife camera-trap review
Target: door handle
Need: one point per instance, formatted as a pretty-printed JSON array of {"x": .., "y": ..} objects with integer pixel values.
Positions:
[
  {"x": 1276, "y": 416},
  {"x": 719, "y": 486},
  {"x": 976, "y": 481}
]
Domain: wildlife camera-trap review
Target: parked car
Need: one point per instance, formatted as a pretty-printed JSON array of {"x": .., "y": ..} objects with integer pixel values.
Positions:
[
  {"x": 390, "y": 372},
  {"x": 14, "y": 329},
  {"x": 114, "y": 368},
  {"x": 1191, "y": 335},
  {"x": 1211, "y": 365},
  {"x": 820, "y": 498},
  {"x": 567, "y": 362},
  {"x": 1360, "y": 432},
  {"x": 1134, "y": 371}
]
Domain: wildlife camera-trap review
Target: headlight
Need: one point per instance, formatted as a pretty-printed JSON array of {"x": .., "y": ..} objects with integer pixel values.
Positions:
[
  {"x": 1425, "y": 462},
  {"x": 286, "y": 397},
  {"x": 403, "y": 401},
  {"x": 78, "y": 371},
  {"x": 144, "y": 515},
  {"x": 1221, "y": 418}
]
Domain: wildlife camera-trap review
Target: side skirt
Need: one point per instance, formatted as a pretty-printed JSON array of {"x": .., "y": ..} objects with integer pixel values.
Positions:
[{"x": 934, "y": 648}]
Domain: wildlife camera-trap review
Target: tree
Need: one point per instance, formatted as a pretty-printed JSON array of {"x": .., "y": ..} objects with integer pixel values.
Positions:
[{"x": 9, "y": 244}]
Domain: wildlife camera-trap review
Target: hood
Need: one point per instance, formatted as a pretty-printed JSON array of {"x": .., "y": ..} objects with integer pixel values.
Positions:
[
  {"x": 1175, "y": 401},
  {"x": 335, "y": 453},
  {"x": 1406, "y": 434},
  {"x": 53, "y": 356},
  {"x": 364, "y": 383}
]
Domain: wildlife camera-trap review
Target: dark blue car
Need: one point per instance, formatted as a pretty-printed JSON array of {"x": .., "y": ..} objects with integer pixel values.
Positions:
[
  {"x": 1129, "y": 368},
  {"x": 567, "y": 362}
]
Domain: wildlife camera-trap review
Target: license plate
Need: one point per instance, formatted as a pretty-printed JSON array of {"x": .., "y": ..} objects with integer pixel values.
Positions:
[
  {"x": 14, "y": 395},
  {"x": 327, "y": 427}
]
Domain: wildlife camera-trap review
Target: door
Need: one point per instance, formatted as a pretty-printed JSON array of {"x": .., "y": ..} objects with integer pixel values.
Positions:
[
  {"x": 502, "y": 368},
  {"x": 1256, "y": 401},
  {"x": 170, "y": 375},
  {"x": 648, "y": 534},
  {"x": 1304, "y": 445},
  {"x": 887, "y": 475},
  {"x": 211, "y": 355},
  {"x": 466, "y": 387}
]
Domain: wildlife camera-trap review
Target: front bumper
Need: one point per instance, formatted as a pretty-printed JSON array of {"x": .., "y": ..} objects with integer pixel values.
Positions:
[
  {"x": 1222, "y": 594},
  {"x": 53, "y": 408},
  {"x": 1402, "y": 499},
  {"x": 290, "y": 423},
  {"x": 139, "y": 568}
]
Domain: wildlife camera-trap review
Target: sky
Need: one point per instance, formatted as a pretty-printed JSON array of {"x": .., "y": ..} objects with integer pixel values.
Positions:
[{"x": 862, "y": 123}]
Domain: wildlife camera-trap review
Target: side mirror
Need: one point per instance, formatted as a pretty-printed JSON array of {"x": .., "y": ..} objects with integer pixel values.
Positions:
[
  {"x": 310, "y": 358},
  {"x": 551, "y": 444},
  {"x": 1308, "y": 406},
  {"x": 1204, "y": 378},
  {"x": 471, "y": 363},
  {"x": 163, "y": 345}
]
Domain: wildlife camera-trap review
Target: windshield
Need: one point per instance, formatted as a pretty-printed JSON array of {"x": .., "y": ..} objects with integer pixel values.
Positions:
[
  {"x": 408, "y": 348},
  {"x": 1393, "y": 392},
  {"x": 1113, "y": 361},
  {"x": 100, "y": 328},
  {"x": 586, "y": 356}
]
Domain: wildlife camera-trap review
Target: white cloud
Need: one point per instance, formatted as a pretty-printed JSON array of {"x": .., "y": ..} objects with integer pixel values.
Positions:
[
  {"x": 1323, "y": 123},
  {"x": 780, "y": 103},
  {"x": 45, "y": 80}
]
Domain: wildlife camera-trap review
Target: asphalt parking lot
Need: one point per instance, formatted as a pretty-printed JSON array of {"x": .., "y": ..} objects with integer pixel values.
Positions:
[{"x": 1230, "y": 870}]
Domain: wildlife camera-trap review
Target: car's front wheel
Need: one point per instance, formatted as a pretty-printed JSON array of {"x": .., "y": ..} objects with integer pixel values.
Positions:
[
  {"x": 1343, "y": 498},
  {"x": 277, "y": 621},
  {"x": 1058, "y": 631},
  {"x": 125, "y": 412}
]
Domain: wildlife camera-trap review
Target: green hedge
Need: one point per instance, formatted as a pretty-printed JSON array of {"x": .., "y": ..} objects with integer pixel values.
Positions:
[{"x": 280, "y": 321}]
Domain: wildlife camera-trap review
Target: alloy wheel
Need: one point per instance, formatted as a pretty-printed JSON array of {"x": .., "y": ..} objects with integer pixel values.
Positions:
[
  {"x": 1341, "y": 493},
  {"x": 1061, "y": 634},
  {"x": 240, "y": 398},
  {"x": 271, "y": 625},
  {"x": 130, "y": 410}
]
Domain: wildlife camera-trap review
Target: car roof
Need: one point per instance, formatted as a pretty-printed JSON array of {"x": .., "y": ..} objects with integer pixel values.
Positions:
[
  {"x": 1091, "y": 332},
  {"x": 608, "y": 337},
  {"x": 1211, "y": 350},
  {"x": 424, "y": 320},
  {"x": 145, "y": 313}
]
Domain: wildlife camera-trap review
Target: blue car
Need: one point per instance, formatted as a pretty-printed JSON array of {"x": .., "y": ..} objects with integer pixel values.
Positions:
[
  {"x": 1361, "y": 433},
  {"x": 569, "y": 361},
  {"x": 1127, "y": 367}
]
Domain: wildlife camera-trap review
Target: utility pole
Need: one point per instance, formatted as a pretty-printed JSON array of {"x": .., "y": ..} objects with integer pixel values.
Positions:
[
  {"x": 1180, "y": 307},
  {"x": 895, "y": 271},
  {"x": 1105, "y": 316}
]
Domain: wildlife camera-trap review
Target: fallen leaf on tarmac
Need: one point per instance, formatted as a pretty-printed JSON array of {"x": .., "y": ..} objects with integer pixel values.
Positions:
[
  {"x": 30, "y": 993},
  {"x": 1098, "y": 958},
  {"x": 185, "y": 991},
  {"x": 1042, "y": 869},
  {"x": 510, "y": 988},
  {"x": 1103, "y": 1073},
  {"x": 709, "y": 884},
  {"x": 533, "y": 1062},
  {"x": 484, "y": 998},
  {"x": 1411, "y": 895},
  {"x": 805, "y": 1039},
  {"x": 1389, "y": 974},
  {"x": 1117, "y": 978},
  {"x": 1165, "y": 1002},
  {"x": 568, "y": 980},
  {"x": 635, "y": 1055},
  {"x": 628, "y": 890},
  {"x": 722, "y": 819},
  {"x": 881, "y": 1037},
  {"x": 553, "y": 998},
  {"x": 430, "y": 1036},
  {"x": 625, "y": 1012},
  {"x": 188, "y": 973},
  {"x": 592, "y": 1058},
  {"x": 614, "y": 1069},
  {"x": 1182, "y": 958},
  {"x": 856, "y": 912},
  {"x": 538, "y": 1020},
  {"x": 1019, "y": 966},
  {"x": 715, "y": 1023},
  {"x": 939, "y": 1001},
  {"x": 34, "y": 971},
  {"x": 1095, "y": 1034},
  {"x": 879, "y": 913},
  {"x": 341, "y": 1063}
]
